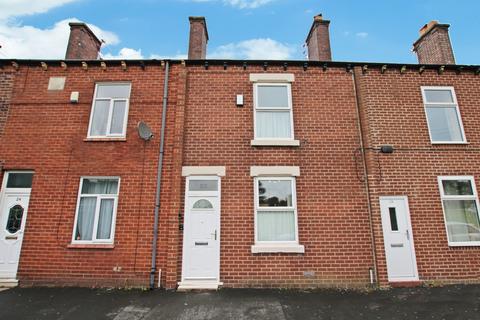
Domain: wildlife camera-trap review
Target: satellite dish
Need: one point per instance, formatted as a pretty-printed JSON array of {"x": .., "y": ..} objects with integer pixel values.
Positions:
[{"x": 144, "y": 131}]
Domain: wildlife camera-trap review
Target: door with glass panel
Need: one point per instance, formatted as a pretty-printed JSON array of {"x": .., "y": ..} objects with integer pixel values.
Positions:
[
  {"x": 398, "y": 239},
  {"x": 201, "y": 235},
  {"x": 14, "y": 207}
]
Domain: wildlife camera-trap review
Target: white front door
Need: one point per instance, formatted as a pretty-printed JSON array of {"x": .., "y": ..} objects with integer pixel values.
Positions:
[
  {"x": 13, "y": 214},
  {"x": 398, "y": 239},
  {"x": 201, "y": 235}
]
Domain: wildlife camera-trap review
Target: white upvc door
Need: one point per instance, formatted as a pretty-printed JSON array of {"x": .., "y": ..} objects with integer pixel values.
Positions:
[
  {"x": 398, "y": 239},
  {"x": 201, "y": 235},
  {"x": 13, "y": 215}
]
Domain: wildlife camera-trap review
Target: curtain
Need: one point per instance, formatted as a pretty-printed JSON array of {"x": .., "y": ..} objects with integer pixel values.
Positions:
[
  {"x": 86, "y": 216},
  {"x": 95, "y": 186},
  {"x": 105, "y": 219},
  {"x": 118, "y": 117},
  {"x": 276, "y": 225},
  {"x": 273, "y": 124},
  {"x": 462, "y": 220}
]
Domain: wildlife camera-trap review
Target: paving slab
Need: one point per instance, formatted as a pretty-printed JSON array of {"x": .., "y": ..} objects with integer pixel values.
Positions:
[{"x": 448, "y": 302}]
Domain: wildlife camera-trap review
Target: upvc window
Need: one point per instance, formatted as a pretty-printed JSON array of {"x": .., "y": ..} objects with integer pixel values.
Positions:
[
  {"x": 443, "y": 116},
  {"x": 273, "y": 111},
  {"x": 109, "y": 114},
  {"x": 96, "y": 210},
  {"x": 460, "y": 207},
  {"x": 275, "y": 210}
]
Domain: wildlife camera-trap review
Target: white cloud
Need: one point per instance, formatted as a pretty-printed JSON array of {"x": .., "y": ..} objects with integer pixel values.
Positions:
[
  {"x": 254, "y": 49},
  {"x": 178, "y": 56},
  {"x": 25, "y": 42},
  {"x": 125, "y": 53},
  {"x": 10, "y": 8},
  {"x": 242, "y": 4},
  {"x": 362, "y": 34}
]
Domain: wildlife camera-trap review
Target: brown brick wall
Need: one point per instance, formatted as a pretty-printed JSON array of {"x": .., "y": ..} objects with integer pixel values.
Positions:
[
  {"x": 394, "y": 108},
  {"x": 6, "y": 87},
  {"x": 46, "y": 133},
  {"x": 332, "y": 214},
  {"x": 205, "y": 127}
]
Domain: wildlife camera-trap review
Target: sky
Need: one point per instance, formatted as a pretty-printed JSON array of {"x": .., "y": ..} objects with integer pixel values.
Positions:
[{"x": 363, "y": 31}]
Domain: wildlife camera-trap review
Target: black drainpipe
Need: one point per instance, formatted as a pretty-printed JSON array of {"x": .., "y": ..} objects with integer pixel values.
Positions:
[
  {"x": 365, "y": 173},
  {"x": 159, "y": 179}
]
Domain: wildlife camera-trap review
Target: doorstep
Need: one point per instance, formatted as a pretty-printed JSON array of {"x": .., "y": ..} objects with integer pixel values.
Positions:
[
  {"x": 198, "y": 285},
  {"x": 8, "y": 283}
]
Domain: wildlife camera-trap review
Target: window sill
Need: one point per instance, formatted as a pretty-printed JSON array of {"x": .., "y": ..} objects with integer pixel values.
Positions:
[
  {"x": 91, "y": 246},
  {"x": 287, "y": 143},
  {"x": 265, "y": 248},
  {"x": 464, "y": 244},
  {"x": 449, "y": 142},
  {"x": 105, "y": 139}
]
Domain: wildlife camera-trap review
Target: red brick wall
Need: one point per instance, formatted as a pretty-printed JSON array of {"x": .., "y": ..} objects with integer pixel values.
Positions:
[
  {"x": 47, "y": 134},
  {"x": 6, "y": 87},
  {"x": 393, "y": 107},
  {"x": 332, "y": 212}
]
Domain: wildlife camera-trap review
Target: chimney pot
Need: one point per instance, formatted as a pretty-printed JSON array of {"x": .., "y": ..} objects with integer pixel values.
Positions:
[
  {"x": 434, "y": 46},
  {"x": 197, "y": 46},
  {"x": 318, "y": 40},
  {"x": 83, "y": 44}
]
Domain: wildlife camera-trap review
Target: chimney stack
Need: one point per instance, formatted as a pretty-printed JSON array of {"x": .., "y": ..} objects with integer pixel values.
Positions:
[
  {"x": 318, "y": 40},
  {"x": 83, "y": 43},
  {"x": 434, "y": 46},
  {"x": 197, "y": 46}
]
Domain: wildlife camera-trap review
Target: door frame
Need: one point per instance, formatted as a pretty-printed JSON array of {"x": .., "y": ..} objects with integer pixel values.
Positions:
[
  {"x": 186, "y": 209},
  {"x": 15, "y": 191},
  {"x": 412, "y": 243}
]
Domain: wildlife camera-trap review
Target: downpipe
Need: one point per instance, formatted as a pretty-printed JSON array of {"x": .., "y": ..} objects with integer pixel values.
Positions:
[{"x": 159, "y": 179}]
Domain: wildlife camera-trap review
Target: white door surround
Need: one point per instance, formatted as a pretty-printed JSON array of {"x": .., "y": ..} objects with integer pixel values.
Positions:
[
  {"x": 201, "y": 235},
  {"x": 398, "y": 239},
  {"x": 13, "y": 215}
]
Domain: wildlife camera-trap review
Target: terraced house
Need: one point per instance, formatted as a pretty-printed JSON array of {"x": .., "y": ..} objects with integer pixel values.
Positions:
[{"x": 202, "y": 173}]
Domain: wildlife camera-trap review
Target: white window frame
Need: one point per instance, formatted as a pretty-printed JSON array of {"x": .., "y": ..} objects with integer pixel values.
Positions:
[
  {"x": 257, "y": 108},
  {"x": 450, "y": 197},
  {"x": 276, "y": 246},
  {"x": 99, "y": 197},
  {"x": 440, "y": 105},
  {"x": 110, "y": 111}
]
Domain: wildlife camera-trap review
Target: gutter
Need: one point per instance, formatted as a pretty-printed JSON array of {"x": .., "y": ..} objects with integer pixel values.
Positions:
[
  {"x": 159, "y": 179},
  {"x": 373, "y": 279},
  {"x": 229, "y": 62}
]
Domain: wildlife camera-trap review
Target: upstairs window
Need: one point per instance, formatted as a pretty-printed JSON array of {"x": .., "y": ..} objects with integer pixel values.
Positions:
[
  {"x": 109, "y": 111},
  {"x": 273, "y": 111},
  {"x": 443, "y": 116},
  {"x": 460, "y": 207}
]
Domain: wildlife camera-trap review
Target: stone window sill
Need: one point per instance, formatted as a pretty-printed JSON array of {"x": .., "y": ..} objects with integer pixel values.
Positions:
[
  {"x": 275, "y": 143},
  {"x": 90, "y": 246},
  {"x": 105, "y": 139},
  {"x": 284, "y": 248}
]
